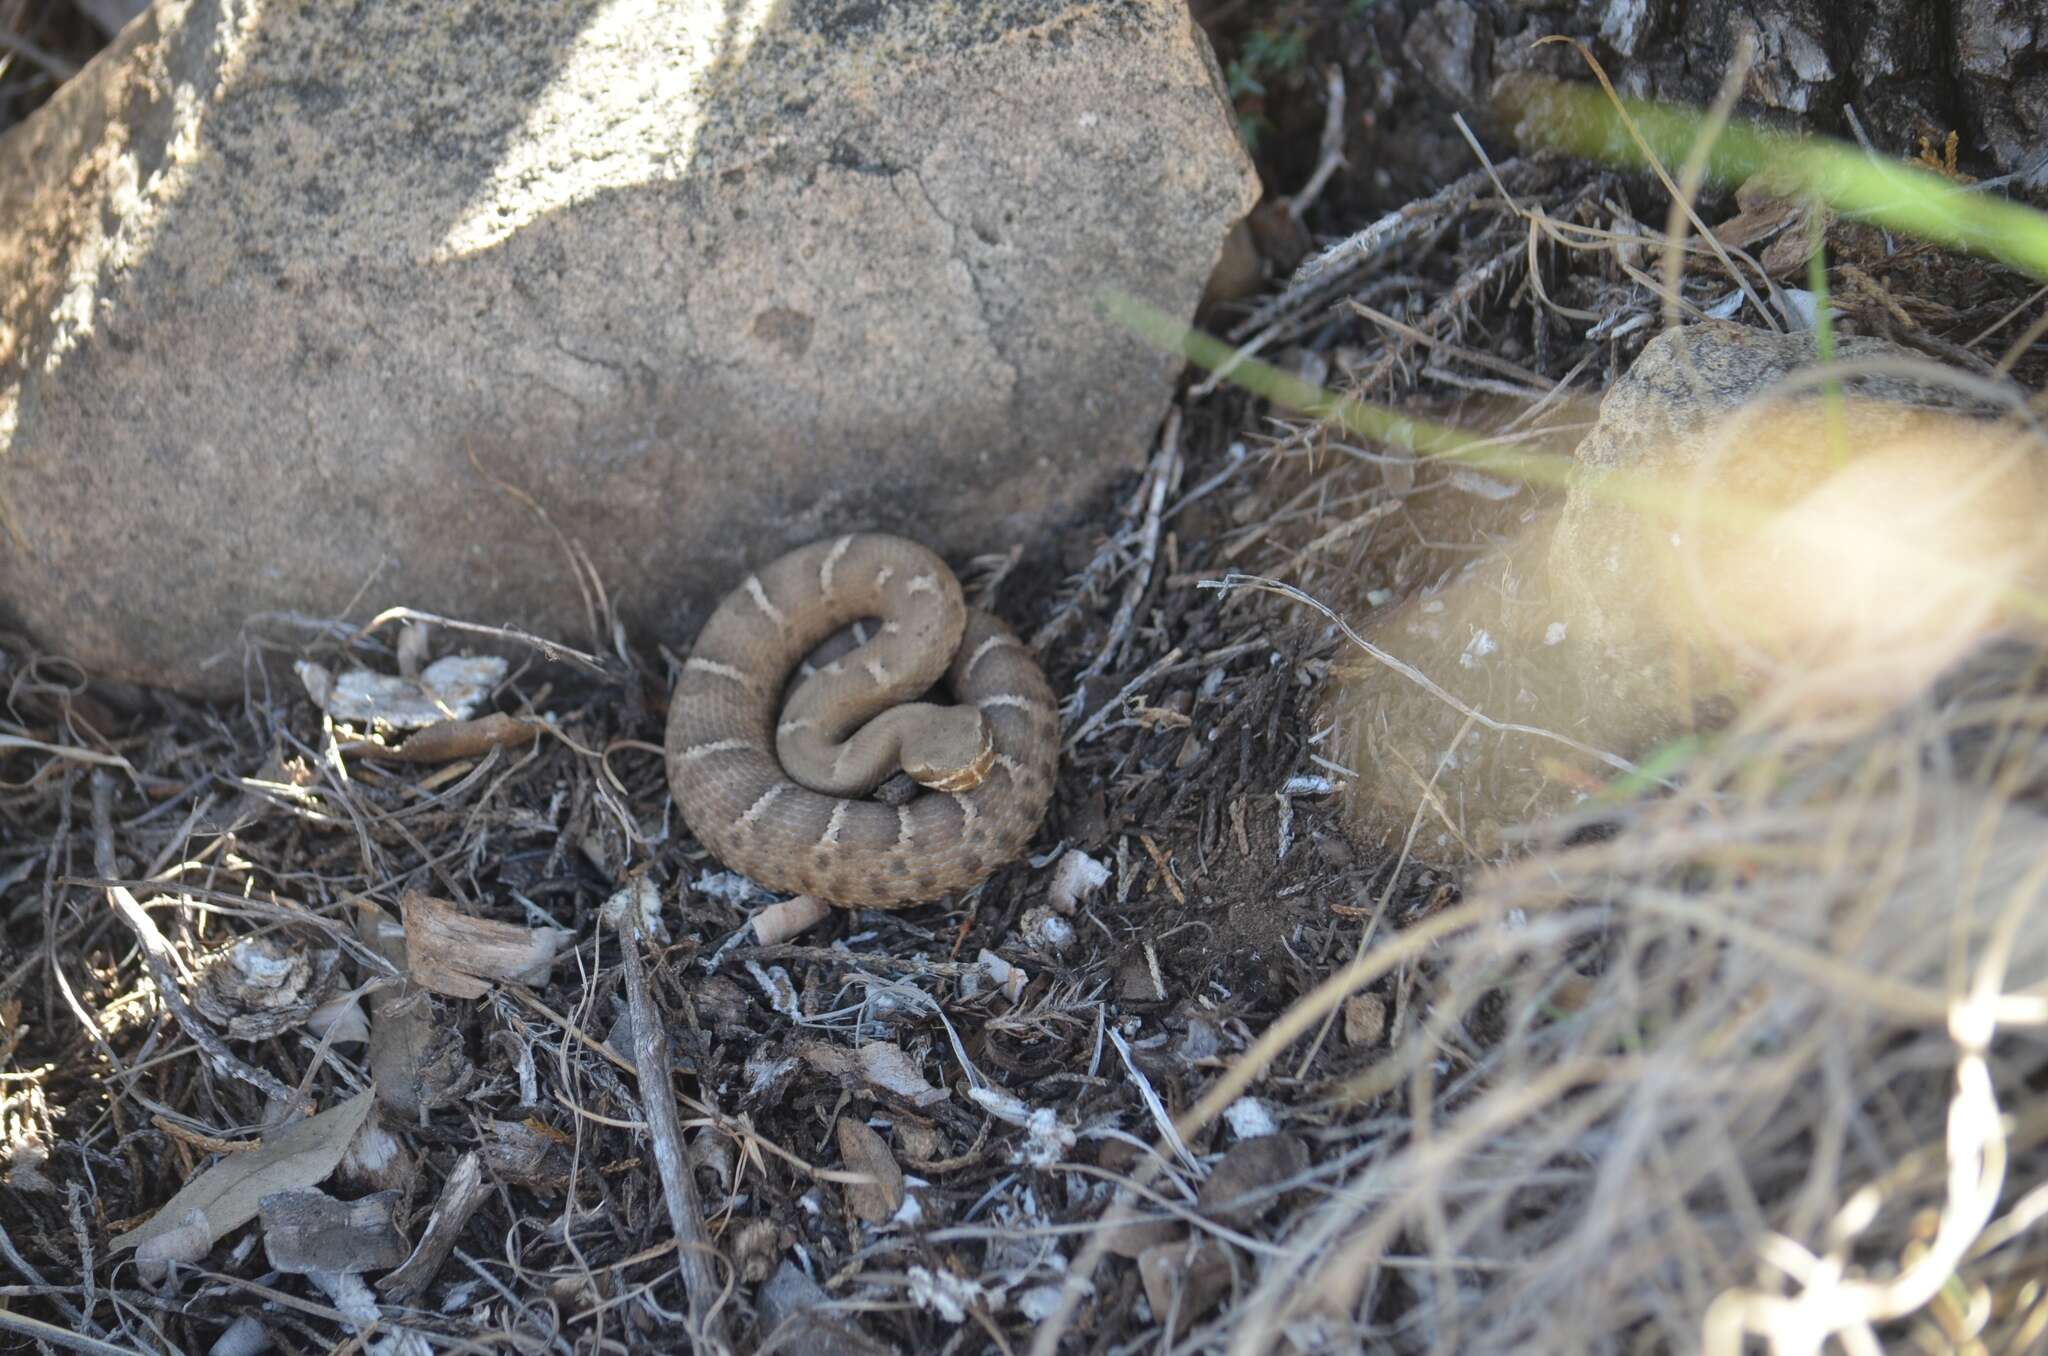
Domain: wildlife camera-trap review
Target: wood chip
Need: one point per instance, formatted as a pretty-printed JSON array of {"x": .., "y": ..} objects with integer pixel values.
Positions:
[
  {"x": 460, "y": 1196},
  {"x": 527, "y": 1154},
  {"x": 451, "y": 953},
  {"x": 782, "y": 921},
  {"x": 417, "y": 1061}
]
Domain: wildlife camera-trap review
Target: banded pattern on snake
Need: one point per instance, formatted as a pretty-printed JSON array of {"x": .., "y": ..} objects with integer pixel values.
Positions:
[{"x": 772, "y": 787}]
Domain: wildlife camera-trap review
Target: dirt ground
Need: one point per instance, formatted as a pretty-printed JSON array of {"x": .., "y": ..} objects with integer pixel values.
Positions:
[{"x": 1009, "y": 1072}]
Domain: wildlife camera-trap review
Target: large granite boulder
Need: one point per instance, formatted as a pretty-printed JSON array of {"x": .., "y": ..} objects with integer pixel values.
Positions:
[{"x": 305, "y": 309}]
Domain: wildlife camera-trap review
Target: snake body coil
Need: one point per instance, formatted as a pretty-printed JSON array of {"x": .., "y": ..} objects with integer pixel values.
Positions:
[{"x": 789, "y": 820}]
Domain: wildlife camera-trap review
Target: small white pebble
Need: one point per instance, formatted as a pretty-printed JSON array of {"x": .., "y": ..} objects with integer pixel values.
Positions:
[
  {"x": 1077, "y": 876},
  {"x": 1249, "y": 1118},
  {"x": 1554, "y": 633}
]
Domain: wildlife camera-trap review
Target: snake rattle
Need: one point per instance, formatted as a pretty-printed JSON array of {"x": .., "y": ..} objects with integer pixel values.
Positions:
[{"x": 773, "y": 789}]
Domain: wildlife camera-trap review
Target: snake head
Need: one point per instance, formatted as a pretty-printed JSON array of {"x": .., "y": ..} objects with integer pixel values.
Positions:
[{"x": 952, "y": 751}]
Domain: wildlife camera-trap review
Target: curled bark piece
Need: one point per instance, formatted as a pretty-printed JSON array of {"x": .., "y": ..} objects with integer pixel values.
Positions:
[
  {"x": 306, "y": 1231},
  {"x": 452, "y": 953}
]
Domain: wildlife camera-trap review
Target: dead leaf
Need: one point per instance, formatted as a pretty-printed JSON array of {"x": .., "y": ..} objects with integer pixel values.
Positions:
[
  {"x": 451, "y": 953},
  {"x": 418, "y": 1062},
  {"x": 881, "y": 1063},
  {"x": 447, "y": 740},
  {"x": 229, "y": 1193},
  {"x": 865, "y": 1152}
]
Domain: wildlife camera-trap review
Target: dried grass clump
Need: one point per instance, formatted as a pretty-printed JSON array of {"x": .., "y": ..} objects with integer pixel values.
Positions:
[{"x": 1754, "y": 1057}]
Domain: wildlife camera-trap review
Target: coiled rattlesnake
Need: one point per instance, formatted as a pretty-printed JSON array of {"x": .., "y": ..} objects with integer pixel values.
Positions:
[{"x": 771, "y": 788}]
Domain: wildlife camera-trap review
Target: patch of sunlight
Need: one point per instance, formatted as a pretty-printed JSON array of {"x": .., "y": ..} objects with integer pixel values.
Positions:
[
  {"x": 626, "y": 108},
  {"x": 135, "y": 204}
]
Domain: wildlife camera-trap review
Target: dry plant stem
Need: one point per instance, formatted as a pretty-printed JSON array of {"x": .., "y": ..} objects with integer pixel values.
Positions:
[
  {"x": 1487, "y": 360},
  {"x": 1678, "y": 197},
  {"x": 671, "y": 1157},
  {"x": 465, "y": 1190},
  {"x": 1401, "y": 224},
  {"x": 552, "y": 649},
  {"x": 756, "y": 1143},
  {"x": 1444, "y": 316},
  {"x": 53, "y": 65},
  {"x": 1130, "y": 689},
  {"x": 1332, "y": 158},
  {"x": 1829, "y": 1304},
  {"x": 1165, "y": 467},
  {"x": 38, "y": 1331},
  {"x": 1539, "y": 224},
  {"x": 33, "y": 1277},
  {"x": 157, "y": 952},
  {"x": 2014, "y": 314},
  {"x": 1694, "y": 171}
]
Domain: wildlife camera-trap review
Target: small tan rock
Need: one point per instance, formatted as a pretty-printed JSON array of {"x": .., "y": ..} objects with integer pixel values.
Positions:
[
  {"x": 1184, "y": 1280},
  {"x": 1365, "y": 1019},
  {"x": 1724, "y": 525},
  {"x": 1239, "y": 1191},
  {"x": 1139, "y": 1237},
  {"x": 920, "y": 1141}
]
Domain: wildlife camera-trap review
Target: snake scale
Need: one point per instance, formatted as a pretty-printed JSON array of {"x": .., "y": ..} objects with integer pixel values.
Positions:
[{"x": 775, "y": 788}]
